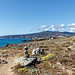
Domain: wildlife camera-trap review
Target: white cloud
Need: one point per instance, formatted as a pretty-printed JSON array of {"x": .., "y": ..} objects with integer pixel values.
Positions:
[
  {"x": 62, "y": 28},
  {"x": 72, "y": 28},
  {"x": 52, "y": 26},
  {"x": 43, "y": 26},
  {"x": 71, "y": 25},
  {"x": 71, "y": 31},
  {"x": 53, "y": 29},
  {"x": 62, "y": 25},
  {"x": 47, "y": 28}
]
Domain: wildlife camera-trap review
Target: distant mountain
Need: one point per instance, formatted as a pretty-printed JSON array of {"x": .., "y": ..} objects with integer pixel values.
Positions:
[{"x": 39, "y": 35}]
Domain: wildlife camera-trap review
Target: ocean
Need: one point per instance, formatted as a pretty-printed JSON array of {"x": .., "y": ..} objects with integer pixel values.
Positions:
[{"x": 10, "y": 41}]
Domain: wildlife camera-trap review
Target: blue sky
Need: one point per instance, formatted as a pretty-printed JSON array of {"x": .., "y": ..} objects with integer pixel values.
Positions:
[{"x": 30, "y": 16}]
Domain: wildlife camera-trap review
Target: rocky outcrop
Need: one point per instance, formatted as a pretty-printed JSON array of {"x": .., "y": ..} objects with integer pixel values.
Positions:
[
  {"x": 38, "y": 51},
  {"x": 24, "y": 62},
  {"x": 72, "y": 47}
]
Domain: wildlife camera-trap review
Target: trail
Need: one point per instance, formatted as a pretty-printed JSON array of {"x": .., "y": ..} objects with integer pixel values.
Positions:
[{"x": 5, "y": 69}]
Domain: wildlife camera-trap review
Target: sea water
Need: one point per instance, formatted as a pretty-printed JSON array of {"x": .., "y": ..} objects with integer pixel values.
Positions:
[{"x": 10, "y": 41}]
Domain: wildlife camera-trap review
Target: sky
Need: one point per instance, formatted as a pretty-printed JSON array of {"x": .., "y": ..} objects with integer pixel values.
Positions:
[{"x": 31, "y": 16}]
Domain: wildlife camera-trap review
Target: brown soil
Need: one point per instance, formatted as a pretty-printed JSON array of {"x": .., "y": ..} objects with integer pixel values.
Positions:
[{"x": 5, "y": 69}]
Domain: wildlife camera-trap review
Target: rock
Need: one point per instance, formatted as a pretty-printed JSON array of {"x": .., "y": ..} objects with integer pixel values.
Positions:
[
  {"x": 5, "y": 62},
  {"x": 11, "y": 67},
  {"x": 72, "y": 56},
  {"x": 72, "y": 47},
  {"x": 69, "y": 72},
  {"x": 0, "y": 55},
  {"x": 58, "y": 63},
  {"x": 26, "y": 55},
  {"x": 25, "y": 61},
  {"x": 2, "y": 60},
  {"x": 25, "y": 48},
  {"x": 5, "y": 45},
  {"x": 4, "y": 55},
  {"x": 38, "y": 51}
]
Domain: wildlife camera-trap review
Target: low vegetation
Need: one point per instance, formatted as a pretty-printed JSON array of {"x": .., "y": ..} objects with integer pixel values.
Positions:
[{"x": 57, "y": 59}]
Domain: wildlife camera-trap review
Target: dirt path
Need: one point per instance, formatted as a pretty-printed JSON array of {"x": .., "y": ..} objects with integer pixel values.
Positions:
[{"x": 5, "y": 69}]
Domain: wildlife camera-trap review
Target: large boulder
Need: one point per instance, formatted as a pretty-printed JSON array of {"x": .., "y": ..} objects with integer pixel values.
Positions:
[
  {"x": 38, "y": 51},
  {"x": 25, "y": 61}
]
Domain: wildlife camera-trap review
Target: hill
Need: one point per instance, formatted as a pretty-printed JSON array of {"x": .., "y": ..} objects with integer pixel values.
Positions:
[{"x": 38, "y": 35}]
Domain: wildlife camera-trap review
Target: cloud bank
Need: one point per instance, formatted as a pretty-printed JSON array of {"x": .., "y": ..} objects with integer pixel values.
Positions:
[{"x": 61, "y": 27}]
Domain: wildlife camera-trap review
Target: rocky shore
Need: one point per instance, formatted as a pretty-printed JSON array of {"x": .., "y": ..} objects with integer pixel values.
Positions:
[{"x": 55, "y": 57}]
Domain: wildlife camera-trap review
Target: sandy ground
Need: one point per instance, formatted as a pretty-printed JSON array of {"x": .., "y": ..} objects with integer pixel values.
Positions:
[{"x": 5, "y": 69}]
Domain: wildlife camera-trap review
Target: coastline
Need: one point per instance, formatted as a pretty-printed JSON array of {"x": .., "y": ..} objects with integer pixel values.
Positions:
[{"x": 57, "y": 46}]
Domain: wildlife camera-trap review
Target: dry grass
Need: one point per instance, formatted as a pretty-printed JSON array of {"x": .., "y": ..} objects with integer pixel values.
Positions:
[{"x": 56, "y": 46}]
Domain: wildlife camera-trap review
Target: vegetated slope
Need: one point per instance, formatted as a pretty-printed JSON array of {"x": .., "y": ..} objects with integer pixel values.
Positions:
[
  {"x": 39, "y": 35},
  {"x": 61, "y": 64}
]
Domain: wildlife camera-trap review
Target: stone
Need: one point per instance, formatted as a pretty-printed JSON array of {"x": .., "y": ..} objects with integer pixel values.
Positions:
[
  {"x": 72, "y": 47},
  {"x": 5, "y": 45},
  {"x": 58, "y": 63},
  {"x": 38, "y": 51},
  {"x": 11, "y": 67},
  {"x": 25, "y": 48},
  {"x": 2, "y": 60},
  {"x": 5, "y": 62},
  {"x": 0, "y": 55},
  {"x": 25, "y": 61},
  {"x": 26, "y": 55}
]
